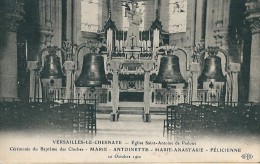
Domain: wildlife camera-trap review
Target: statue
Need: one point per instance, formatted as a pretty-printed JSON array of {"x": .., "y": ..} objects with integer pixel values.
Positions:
[{"x": 135, "y": 19}]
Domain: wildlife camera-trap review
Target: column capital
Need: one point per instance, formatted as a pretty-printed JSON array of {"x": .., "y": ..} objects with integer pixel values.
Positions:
[
  {"x": 115, "y": 64},
  {"x": 234, "y": 67},
  {"x": 46, "y": 34},
  {"x": 253, "y": 16},
  {"x": 69, "y": 65},
  {"x": 147, "y": 65},
  {"x": 33, "y": 65},
  {"x": 12, "y": 12},
  {"x": 194, "y": 67}
]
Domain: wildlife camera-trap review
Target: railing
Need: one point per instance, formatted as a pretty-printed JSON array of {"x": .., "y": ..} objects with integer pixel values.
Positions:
[
  {"x": 101, "y": 94},
  {"x": 171, "y": 97},
  {"x": 221, "y": 103},
  {"x": 131, "y": 84},
  {"x": 54, "y": 93},
  {"x": 208, "y": 95}
]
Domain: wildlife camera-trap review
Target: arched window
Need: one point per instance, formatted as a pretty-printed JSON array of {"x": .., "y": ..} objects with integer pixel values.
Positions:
[
  {"x": 90, "y": 11},
  {"x": 177, "y": 16}
]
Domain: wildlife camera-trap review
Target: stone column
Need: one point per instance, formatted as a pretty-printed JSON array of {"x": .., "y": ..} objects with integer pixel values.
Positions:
[
  {"x": 69, "y": 67},
  {"x": 45, "y": 23},
  {"x": 56, "y": 17},
  {"x": 222, "y": 24},
  {"x": 11, "y": 15},
  {"x": 33, "y": 66},
  {"x": 210, "y": 23},
  {"x": 195, "y": 69},
  {"x": 221, "y": 29},
  {"x": 220, "y": 13},
  {"x": 69, "y": 22},
  {"x": 191, "y": 26},
  {"x": 234, "y": 69},
  {"x": 155, "y": 6},
  {"x": 111, "y": 5},
  {"x": 115, "y": 90},
  {"x": 146, "y": 91},
  {"x": 253, "y": 17},
  {"x": 147, "y": 67},
  {"x": 200, "y": 21},
  {"x": 46, "y": 35}
]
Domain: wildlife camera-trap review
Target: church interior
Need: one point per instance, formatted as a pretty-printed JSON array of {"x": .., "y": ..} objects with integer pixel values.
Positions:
[{"x": 67, "y": 64}]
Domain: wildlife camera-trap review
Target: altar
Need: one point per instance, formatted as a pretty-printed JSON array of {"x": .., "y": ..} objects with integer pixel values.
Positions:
[{"x": 131, "y": 70}]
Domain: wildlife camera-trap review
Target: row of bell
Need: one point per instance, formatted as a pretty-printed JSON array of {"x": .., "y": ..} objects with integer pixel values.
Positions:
[{"x": 93, "y": 71}]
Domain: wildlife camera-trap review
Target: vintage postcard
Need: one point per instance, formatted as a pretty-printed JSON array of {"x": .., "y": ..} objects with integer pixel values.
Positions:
[{"x": 129, "y": 81}]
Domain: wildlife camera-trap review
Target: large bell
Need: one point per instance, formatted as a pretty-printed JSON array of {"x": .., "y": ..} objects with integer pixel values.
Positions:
[
  {"x": 92, "y": 72},
  {"x": 212, "y": 70},
  {"x": 52, "y": 67},
  {"x": 169, "y": 71}
]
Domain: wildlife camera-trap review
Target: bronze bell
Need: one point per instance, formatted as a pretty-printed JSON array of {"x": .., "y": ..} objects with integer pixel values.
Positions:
[
  {"x": 212, "y": 70},
  {"x": 169, "y": 71},
  {"x": 92, "y": 72},
  {"x": 52, "y": 67}
]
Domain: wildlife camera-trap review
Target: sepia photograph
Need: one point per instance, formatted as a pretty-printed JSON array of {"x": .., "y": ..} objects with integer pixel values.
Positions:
[{"x": 129, "y": 81}]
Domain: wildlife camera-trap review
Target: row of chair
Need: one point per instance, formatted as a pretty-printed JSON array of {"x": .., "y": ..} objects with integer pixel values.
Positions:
[
  {"x": 190, "y": 120},
  {"x": 63, "y": 117}
]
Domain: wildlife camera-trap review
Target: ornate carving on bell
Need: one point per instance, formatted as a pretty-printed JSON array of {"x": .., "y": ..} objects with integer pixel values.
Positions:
[
  {"x": 52, "y": 66},
  {"x": 212, "y": 70},
  {"x": 169, "y": 71},
  {"x": 92, "y": 72}
]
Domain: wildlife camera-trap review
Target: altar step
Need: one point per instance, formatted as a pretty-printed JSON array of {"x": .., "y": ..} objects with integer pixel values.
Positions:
[
  {"x": 137, "y": 110},
  {"x": 131, "y": 110}
]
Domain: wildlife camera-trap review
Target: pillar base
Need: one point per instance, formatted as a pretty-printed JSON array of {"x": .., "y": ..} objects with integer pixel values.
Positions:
[
  {"x": 114, "y": 117},
  {"x": 147, "y": 117}
]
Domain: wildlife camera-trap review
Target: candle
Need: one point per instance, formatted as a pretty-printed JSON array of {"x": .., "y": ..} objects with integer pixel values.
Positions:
[
  {"x": 141, "y": 36},
  {"x": 149, "y": 34}
]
